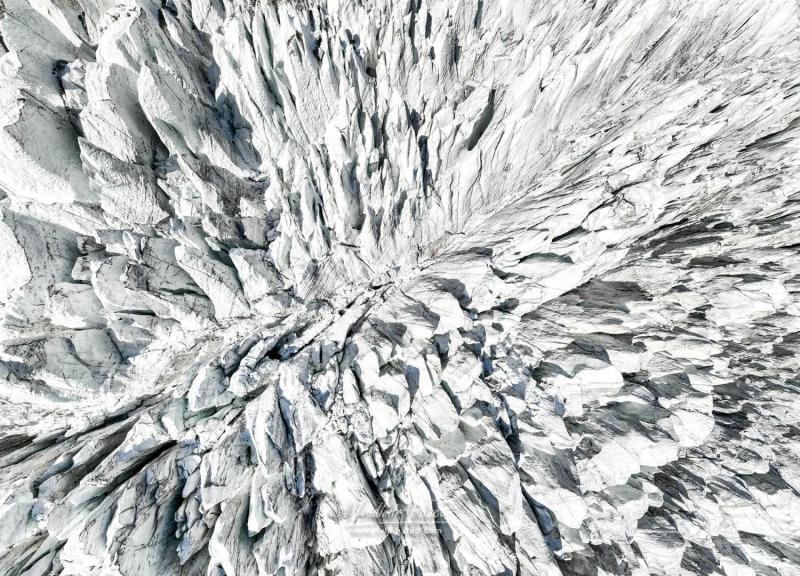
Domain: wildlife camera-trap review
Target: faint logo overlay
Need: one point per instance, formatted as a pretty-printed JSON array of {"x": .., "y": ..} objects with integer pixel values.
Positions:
[{"x": 368, "y": 521}]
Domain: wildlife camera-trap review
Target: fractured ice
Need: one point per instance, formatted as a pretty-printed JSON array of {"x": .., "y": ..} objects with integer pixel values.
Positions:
[{"x": 432, "y": 287}]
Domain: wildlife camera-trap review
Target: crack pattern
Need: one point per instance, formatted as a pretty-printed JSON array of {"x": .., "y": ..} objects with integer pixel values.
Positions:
[{"x": 377, "y": 287}]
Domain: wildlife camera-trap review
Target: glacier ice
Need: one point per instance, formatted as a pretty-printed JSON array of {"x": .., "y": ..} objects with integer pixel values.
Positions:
[{"x": 375, "y": 287}]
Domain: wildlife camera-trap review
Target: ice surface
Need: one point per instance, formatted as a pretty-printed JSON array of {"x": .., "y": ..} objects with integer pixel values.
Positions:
[{"x": 420, "y": 288}]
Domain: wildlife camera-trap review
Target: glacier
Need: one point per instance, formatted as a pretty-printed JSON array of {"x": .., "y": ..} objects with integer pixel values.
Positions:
[{"x": 425, "y": 288}]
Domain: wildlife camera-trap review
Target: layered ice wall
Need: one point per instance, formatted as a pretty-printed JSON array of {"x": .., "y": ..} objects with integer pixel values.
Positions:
[{"x": 432, "y": 287}]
